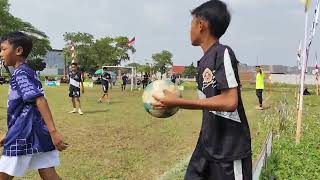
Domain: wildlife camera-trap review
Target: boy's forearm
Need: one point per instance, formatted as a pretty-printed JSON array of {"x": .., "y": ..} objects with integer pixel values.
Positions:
[
  {"x": 216, "y": 103},
  {"x": 45, "y": 112}
]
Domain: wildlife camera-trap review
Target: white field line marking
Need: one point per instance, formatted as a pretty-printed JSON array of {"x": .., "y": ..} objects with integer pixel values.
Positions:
[{"x": 180, "y": 166}]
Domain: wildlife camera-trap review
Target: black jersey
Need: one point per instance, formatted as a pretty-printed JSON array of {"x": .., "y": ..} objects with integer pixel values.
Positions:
[
  {"x": 124, "y": 79},
  {"x": 225, "y": 135},
  {"x": 75, "y": 79},
  {"x": 106, "y": 77}
]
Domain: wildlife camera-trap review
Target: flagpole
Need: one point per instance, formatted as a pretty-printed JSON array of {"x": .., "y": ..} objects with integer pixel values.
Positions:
[
  {"x": 132, "y": 70},
  {"x": 317, "y": 83},
  {"x": 135, "y": 70},
  {"x": 317, "y": 80},
  {"x": 317, "y": 73},
  {"x": 302, "y": 78}
]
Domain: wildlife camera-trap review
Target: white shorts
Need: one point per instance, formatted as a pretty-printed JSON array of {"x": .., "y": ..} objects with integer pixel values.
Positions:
[{"x": 18, "y": 165}]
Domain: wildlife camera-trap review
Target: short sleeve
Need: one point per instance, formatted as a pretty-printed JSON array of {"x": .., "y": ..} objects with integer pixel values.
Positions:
[
  {"x": 225, "y": 73},
  {"x": 28, "y": 86}
]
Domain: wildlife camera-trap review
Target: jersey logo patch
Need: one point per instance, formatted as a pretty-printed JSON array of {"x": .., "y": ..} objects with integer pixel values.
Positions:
[{"x": 208, "y": 78}]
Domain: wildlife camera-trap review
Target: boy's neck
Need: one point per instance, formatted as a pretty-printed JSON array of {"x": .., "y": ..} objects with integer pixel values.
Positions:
[
  {"x": 208, "y": 42},
  {"x": 19, "y": 62}
]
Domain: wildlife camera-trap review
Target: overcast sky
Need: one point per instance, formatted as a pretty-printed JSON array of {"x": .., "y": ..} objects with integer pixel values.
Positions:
[{"x": 267, "y": 31}]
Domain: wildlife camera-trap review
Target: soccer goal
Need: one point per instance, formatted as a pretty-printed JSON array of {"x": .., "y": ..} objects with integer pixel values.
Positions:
[{"x": 120, "y": 70}]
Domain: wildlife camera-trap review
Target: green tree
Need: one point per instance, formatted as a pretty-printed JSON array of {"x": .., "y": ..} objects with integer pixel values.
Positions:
[
  {"x": 136, "y": 65},
  {"x": 162, "y": 61},
  {"x": 145, "y": 69},
  {"x": 39, "y": 50},
  {"x": 190, "y": 71},
  {"x": 104, "y": 51},
  {"x": 9, "y": 23},
  {"x": 92, "y": 53},
  {"x": 37, "y": 64},
  {"x": 112, "y": 51},
  {"x": 122, "y": 49}
]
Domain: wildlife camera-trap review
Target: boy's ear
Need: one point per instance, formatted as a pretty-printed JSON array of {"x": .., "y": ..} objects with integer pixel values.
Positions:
[
  {"x": 19, "y": 51},
  {"x": 203, "y": 25}
]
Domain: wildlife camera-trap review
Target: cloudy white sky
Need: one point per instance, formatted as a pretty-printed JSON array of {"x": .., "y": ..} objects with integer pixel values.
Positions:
[{"x": 267, "y": 30}]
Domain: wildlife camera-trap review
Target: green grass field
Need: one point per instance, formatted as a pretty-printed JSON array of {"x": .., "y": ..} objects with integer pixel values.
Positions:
[{"x": 121, "y": 141}]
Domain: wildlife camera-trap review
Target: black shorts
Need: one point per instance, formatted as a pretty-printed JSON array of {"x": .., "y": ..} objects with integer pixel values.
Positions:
[
  {"x": 201, "y": 168},
  {"x": 105, "y": 88},
  {"x": 74, "y": 92},
  {"x": 259, "y": 92}
]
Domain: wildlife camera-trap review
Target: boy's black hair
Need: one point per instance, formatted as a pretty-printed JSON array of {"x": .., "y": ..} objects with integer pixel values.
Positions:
[
  {"x": 19, "y": 39},
  {"x": 76, "y": 64},
  {"x": 217, "y": 15},
  {"x": 104, "y": 68}
]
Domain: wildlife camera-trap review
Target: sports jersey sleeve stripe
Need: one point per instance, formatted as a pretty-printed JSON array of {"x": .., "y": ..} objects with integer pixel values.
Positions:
[{"x": 231, "y": 79}]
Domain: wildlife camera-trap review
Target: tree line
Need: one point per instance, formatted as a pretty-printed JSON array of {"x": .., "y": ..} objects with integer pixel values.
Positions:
[{"x": 91, "y": 53}]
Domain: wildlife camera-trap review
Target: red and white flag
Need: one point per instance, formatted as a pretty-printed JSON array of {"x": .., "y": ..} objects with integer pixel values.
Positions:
[{"x": 131, "y": 42}]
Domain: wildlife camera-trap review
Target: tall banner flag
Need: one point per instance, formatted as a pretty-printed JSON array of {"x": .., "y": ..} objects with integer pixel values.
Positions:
[
  {"x": 303, "y": 70},
  {"x": 306, "y": 4},
  {"x": 314, "y": 23},
  {"x": 316, "y": 73},
  {"x": 299, "y": 56}
]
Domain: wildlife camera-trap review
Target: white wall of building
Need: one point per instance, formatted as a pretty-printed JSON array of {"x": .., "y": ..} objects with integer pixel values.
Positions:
[
  {"x": 292, "y": 79},
  {"x": 49, "y": 71}
]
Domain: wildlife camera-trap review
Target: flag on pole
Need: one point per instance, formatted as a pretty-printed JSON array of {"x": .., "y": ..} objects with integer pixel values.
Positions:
[
  {"x": 299, "y": 55},
  {"x": 315, "y": 18},
  {"x": 317, "y": 72},
  {"x": 132, "y": 41},
  {"x": 314, "y": 23},
  {"x": 317, "y": 68},
  {"x": 306, "y": 4}
]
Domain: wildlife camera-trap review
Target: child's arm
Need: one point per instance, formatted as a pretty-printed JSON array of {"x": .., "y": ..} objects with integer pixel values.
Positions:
[
  {"x": 226, "y": 101},
  {"x": 82, "y": 79},
  {"x": 57, "y": 138},
  {"x": 3, "y": 138}
]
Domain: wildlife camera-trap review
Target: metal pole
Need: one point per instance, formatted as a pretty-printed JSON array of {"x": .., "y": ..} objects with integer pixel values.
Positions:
[
  {"x": 135, "y": 76},
  {"x": 131, "y": 79}
]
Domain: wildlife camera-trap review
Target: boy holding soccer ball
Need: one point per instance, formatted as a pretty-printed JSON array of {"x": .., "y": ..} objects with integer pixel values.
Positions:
[{"x": 223, "y": 151}]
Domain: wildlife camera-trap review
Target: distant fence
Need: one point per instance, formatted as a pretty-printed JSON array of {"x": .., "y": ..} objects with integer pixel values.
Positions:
[{"x": 261, "y": 160}]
